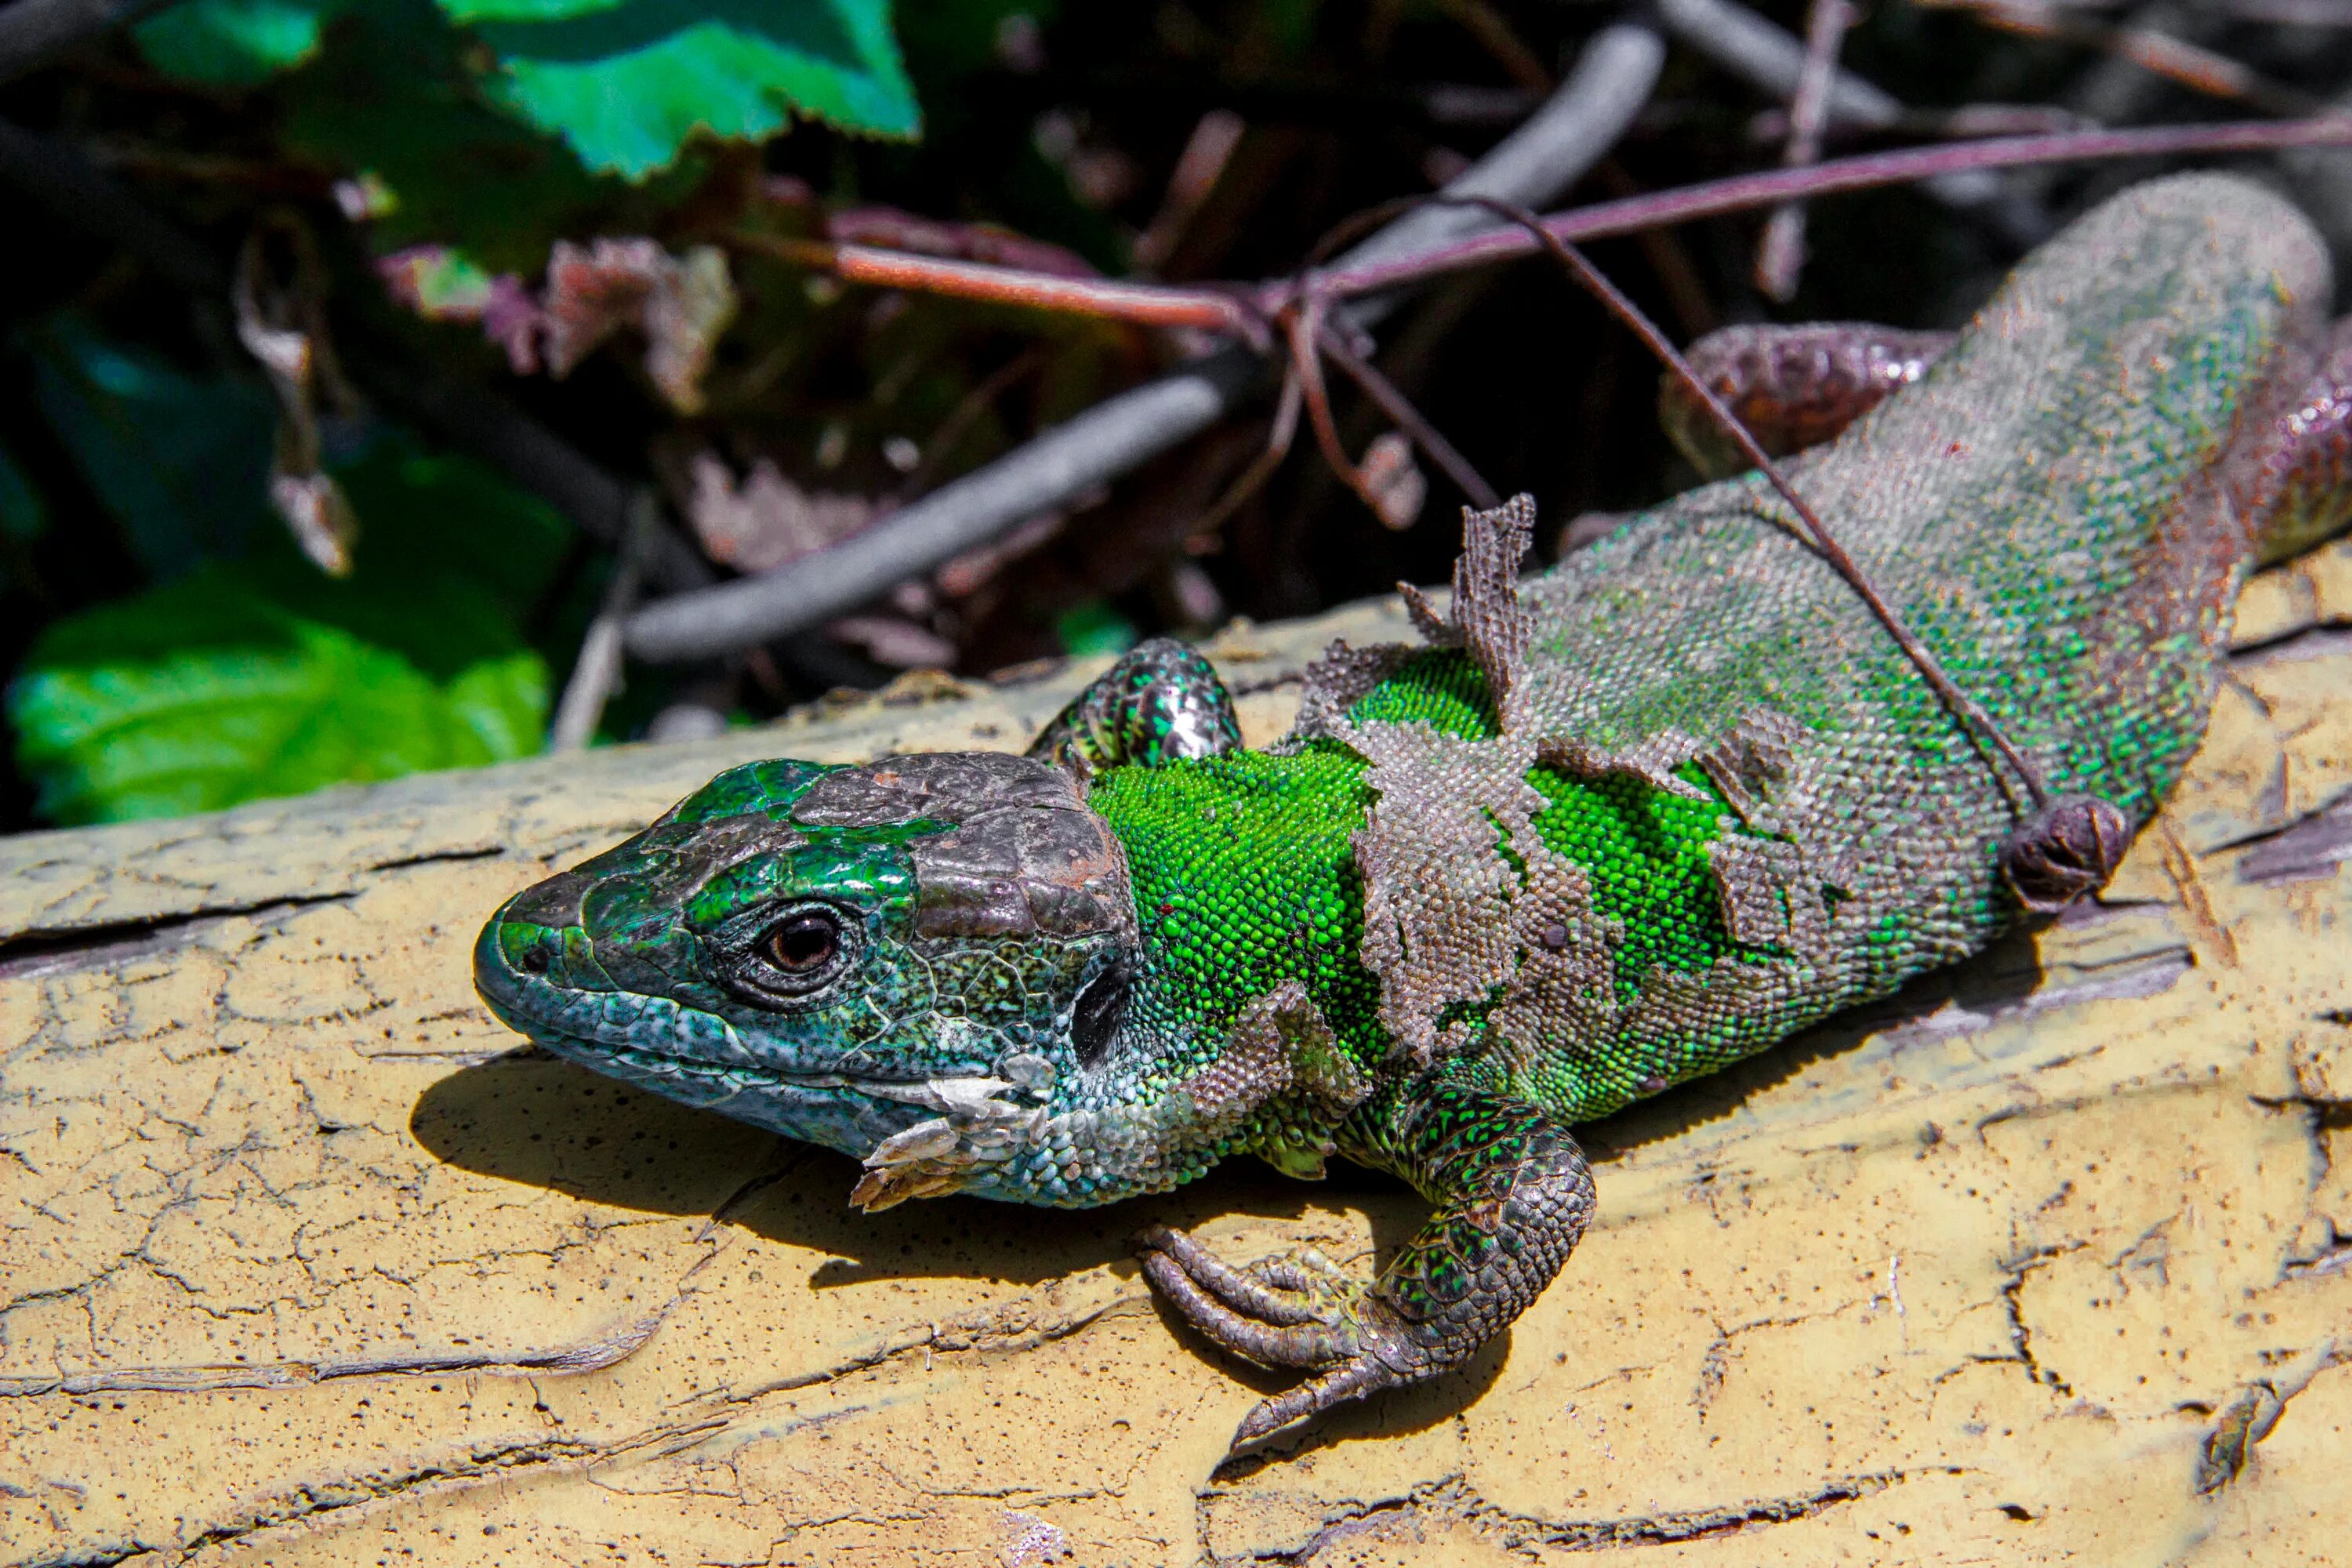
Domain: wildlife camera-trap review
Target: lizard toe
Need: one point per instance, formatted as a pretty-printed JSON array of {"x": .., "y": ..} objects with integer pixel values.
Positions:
[
  {"x": 1366, "y": 1374},
  {"x": 1260, "y": 1323}
]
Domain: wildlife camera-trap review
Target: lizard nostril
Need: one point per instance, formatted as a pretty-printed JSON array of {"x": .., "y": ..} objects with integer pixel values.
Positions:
[{"x": 534, "y": 958}]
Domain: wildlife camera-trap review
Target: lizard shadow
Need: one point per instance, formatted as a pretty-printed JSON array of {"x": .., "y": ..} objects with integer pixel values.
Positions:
[{"x": 533, "y": 1118}]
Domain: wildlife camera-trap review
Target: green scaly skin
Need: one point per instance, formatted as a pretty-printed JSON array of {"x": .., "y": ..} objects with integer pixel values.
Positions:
[{"x": 1620, "y": 824}]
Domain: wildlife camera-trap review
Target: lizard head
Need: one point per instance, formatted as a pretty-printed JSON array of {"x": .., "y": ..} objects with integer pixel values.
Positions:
[{"x": 919, "y": 962}]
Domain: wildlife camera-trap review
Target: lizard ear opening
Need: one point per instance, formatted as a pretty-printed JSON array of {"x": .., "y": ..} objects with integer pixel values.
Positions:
[{"x": 1100, "y": 1009}]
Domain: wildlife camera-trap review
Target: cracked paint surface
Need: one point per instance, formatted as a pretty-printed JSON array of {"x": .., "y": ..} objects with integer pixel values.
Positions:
[{"x": 304, "y": 1263}]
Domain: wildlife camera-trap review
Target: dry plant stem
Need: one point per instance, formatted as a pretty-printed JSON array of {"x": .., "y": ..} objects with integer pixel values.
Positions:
[
  {"x": 1146, "y": 304},
  {"x": 1771, "y": 59},
  {"x": 1409, "y": 419},
  {"x": 1305, "y": 328},
  {"x": 2192, "y": 66},
  {"x": 1962, "y": 705},
  {"x": 1669, "y": 260},
  {"x": 1211, "y": 147},
  {"x": 597, "y": 672},
  {"x": 1780, "y": 254},
  {"x": 1124, "y": 431},
  {"x": 34, "y": 32},
  {"x": 1611, "y": 81},
  {"x": 1745, "y": 193},
  {"x": 1244, "y": 313},
  {"x": 1251, "y": 479}
]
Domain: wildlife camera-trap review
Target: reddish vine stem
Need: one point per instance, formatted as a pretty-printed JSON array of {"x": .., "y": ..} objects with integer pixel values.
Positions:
[
  {"x": 1743, "y": 193},
  {"x": 1305, "y": 325},
  {"x": 1145, "y": 304},
  {"x": 1826, "y": 542},
  {"x": 1244, "y": 312},
  {"x": 1248, "y": 482},
  {"x": 1393, "y": 403}
]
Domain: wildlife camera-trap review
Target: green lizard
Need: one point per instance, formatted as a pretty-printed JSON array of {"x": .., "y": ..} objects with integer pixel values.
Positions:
[{"x": 1611, "y": 828}]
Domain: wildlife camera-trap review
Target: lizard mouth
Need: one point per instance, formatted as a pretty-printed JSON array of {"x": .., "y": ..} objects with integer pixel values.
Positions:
[
  {"x": 696, "y": 1056},
  {"x": 635, "y": 1062}
]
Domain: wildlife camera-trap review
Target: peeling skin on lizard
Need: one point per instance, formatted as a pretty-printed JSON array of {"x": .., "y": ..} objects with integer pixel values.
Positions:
[{"x": 1611, "y": 828}]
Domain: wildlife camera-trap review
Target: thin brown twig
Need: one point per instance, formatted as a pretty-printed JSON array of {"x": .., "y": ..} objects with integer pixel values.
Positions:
[
  {"x": 1669, "y": 259},
  {"x": 1780, "y": 253},
  {"x": 2175, "y": 59},
  {"x": 1743, "y": 193},
  {"x": 1305, "y": 324},
  {"x": 1613, "y": 78},
  {"x": 1110, "y": 438},
  {"x": 1207, "y": 153},
  {"x": 1247, "y": 483},
  {"x": 1244, "y": 312},
  {"x": 1409, "y": 419},
  {"x": 1147, "y": 304},
  {"x": 1591, "y": 278}
]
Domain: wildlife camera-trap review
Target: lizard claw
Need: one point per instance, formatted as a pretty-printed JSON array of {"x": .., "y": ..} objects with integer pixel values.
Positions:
[{"x": 1296, "y": 1310}]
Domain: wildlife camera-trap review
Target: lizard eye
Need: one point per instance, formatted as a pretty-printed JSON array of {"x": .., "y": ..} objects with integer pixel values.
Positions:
[
  {"x": 805, "y": 942},
  {"x": 795, "y": 956}
]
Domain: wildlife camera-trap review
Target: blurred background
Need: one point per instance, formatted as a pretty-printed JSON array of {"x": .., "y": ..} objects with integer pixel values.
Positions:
[{"x": 358, "y": 357}]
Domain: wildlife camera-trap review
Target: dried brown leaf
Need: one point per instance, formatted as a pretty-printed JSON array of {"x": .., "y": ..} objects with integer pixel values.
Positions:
[{"x": 766, "y": 520}]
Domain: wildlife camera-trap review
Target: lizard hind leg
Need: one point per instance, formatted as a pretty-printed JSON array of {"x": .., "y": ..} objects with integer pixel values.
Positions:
[
  {"x": 2064, "y": 851},
  {"x": 1160, "y": 702},
  {"x": 1513, "y": 1194},
  {"x": 1792, "y": 386},
  {"x": 2308, "y": 457}
]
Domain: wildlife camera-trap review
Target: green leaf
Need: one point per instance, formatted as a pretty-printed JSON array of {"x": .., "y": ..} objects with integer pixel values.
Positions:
[
  {"x": 183, "y": 465},
  {"x": 1094, "y": 626},
  {"x": 24, "y": 516},
  {"x": 234, "y": 43},
  {"x": 392, "y": 98},
  {"x": 206, "y": 693},
  {"x": 261, "y": 678},
  {"x": 626, "y": 84}
]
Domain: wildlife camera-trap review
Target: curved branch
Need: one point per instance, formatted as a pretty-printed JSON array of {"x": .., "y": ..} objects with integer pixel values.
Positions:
[
  {"x": 1576, "y": 125},
  {"x": 1771, "y": 60},
  {"x": 1742, "y": 192}
]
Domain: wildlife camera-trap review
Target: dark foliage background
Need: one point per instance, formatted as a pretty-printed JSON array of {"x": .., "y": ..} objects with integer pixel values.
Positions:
[{"x": 257, "y": 535}]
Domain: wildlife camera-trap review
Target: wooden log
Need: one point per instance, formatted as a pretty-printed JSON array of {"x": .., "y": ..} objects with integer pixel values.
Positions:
[{"x": 305, "y": 1261}]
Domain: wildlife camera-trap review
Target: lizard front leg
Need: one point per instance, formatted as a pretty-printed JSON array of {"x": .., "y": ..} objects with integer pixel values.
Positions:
[
  {"x": 1159, "y": 703},
  {"x": 1513, "y": 1194}
]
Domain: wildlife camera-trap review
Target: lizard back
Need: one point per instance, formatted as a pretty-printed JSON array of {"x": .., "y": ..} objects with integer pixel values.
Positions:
[{"x": 1704, "y": 681}]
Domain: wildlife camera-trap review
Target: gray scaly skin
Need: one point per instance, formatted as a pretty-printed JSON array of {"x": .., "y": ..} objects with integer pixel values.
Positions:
[{"x": 1612, "y": 827}]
